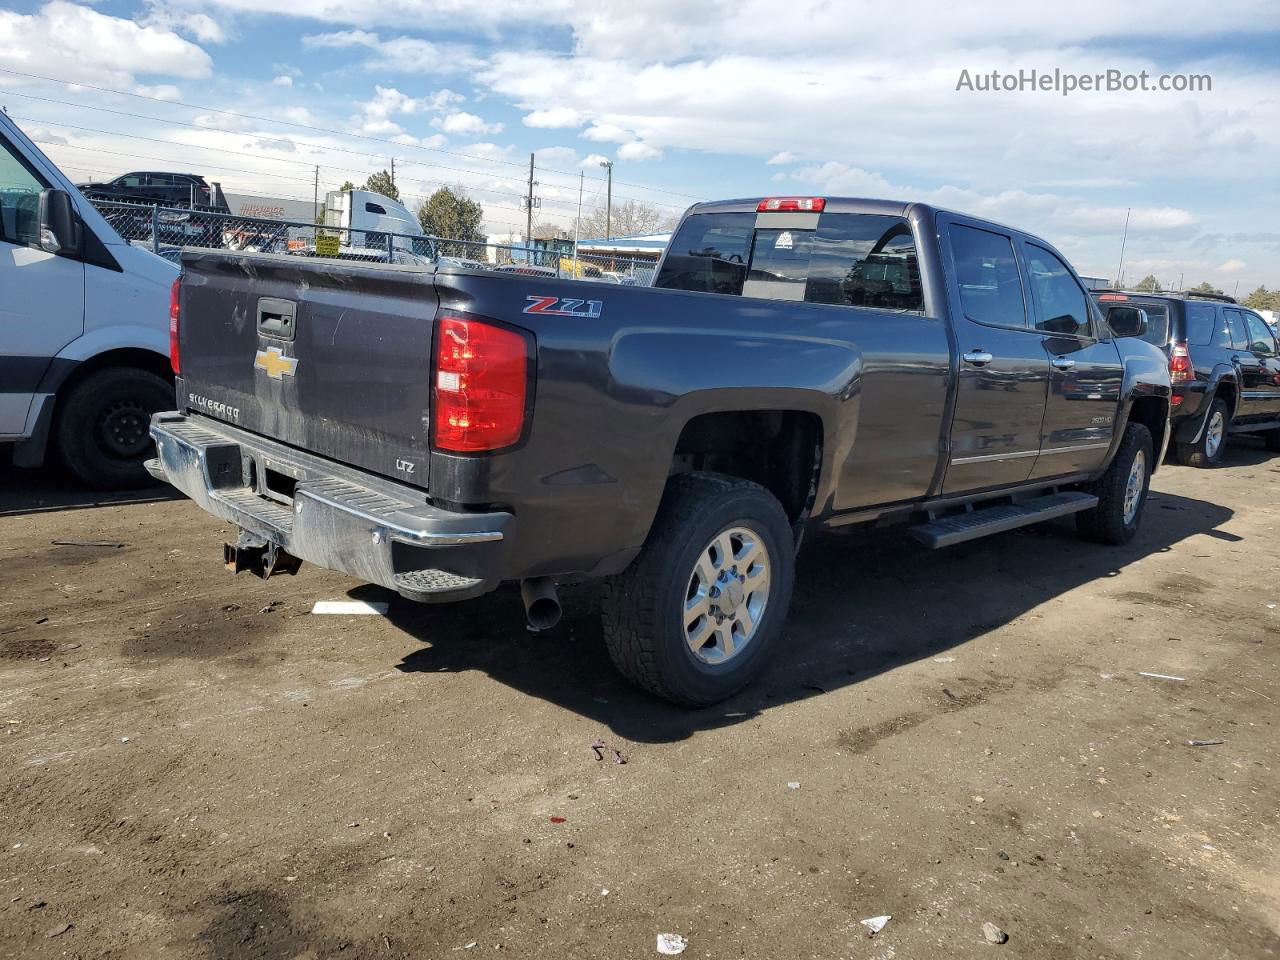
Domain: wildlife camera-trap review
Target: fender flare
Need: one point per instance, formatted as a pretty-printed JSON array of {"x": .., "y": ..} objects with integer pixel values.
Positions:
[{"x": 1190, "y": 430}]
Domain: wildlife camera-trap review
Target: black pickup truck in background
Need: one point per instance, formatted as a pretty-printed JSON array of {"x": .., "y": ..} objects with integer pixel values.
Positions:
[{"x": 799, "y": 362}]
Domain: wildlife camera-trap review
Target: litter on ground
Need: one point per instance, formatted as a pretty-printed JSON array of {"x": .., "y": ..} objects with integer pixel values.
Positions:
[
  {"x": 350, "y": 608},
  {"x": 671, "y": 944},
  {"x": 876, "y": 924}
]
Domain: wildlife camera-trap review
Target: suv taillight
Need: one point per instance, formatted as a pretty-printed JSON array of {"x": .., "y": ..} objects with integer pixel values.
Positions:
[
  {"x": 481, "y": 385},
  {"x": 175, "y": 360},
  {"x": 1180, "y": 368}
]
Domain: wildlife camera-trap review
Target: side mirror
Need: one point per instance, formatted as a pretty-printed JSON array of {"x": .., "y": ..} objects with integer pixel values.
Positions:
[
  {"x": 60, "y": 231},
  {"x": 1127, "y": 321}
]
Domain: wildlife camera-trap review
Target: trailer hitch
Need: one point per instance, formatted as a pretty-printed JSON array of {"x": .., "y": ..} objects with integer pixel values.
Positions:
[{"x": 261, "y": 557}]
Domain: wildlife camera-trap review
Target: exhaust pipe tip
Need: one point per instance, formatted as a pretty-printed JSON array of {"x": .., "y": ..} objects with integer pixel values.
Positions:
[{"x": 541, "y": 604}]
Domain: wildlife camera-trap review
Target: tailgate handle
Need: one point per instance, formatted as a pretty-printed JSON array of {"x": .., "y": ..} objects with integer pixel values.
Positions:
[{"x": 276, "y": 317}]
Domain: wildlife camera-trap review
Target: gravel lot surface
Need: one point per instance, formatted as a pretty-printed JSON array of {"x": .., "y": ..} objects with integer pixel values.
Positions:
[{"x": 196, "y": 766}]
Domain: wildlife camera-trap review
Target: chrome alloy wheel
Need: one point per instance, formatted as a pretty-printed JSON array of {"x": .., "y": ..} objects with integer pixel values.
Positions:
[
  {"x": 727, "y": 595},
  {"x": 1214, "y": 433},
  {"x": 1133, "y": 487}
]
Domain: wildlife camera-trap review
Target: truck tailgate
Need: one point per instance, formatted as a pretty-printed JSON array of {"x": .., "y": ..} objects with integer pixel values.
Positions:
[{"x": 333, "y": 357}]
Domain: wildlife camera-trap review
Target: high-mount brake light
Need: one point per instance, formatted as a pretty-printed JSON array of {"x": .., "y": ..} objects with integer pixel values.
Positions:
[
  {"x": 175, "y": 295},
  {"x": 1180, "y": 367},
  {"x": 792, "y": 205},
  {"x": 1113, "y": 297},
  {"x": 481, "y": 385}
]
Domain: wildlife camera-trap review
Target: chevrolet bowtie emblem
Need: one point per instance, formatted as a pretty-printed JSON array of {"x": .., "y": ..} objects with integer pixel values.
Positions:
[{"x": 277, "y": 365}]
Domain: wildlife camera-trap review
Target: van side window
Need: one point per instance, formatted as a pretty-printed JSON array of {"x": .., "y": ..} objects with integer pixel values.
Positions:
[
  {"x": 987, "y": 272},
  {"x": 19, "y": 199},
  {"x": 1063, "y": 310}
]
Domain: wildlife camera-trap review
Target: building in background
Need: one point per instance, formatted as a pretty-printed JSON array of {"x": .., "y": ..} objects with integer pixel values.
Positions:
[
  {"x": 271, "y": 208},
  {"x": 647, "y": 248}
]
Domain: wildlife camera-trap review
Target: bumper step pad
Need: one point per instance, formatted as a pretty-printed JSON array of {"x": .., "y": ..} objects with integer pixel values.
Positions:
[{"x": 427, "y": 585}]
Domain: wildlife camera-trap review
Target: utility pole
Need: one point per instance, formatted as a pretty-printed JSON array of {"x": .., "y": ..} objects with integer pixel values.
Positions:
[
  {"x": 315, "y": 197},
  {"x": 582, "y": 176},
  {"x": 393, "y": 171},
  {"x": 608, "y": 202},
  {"x": 528, "y": 228},
  {"x": 1123, "y": 239}
]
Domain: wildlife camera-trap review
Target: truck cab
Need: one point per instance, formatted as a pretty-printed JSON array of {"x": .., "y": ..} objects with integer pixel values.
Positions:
[{"x": 83, "y": 326}]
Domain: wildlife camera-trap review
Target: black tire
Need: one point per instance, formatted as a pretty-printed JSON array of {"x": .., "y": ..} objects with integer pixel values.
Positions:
[
  {"x": 1197, "y": 454},
  {"x": 1106, "y": 523},
  {"x": 1272, "y": 438},
  {"x": 642, "y": 608},
  {"x": 102, "y": 429}
]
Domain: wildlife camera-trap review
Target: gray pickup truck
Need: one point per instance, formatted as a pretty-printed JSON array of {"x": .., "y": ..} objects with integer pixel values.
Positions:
[{"x": 799, "y": 362}]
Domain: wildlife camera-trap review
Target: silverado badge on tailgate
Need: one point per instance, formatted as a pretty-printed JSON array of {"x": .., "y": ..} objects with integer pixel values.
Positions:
[{"x": 277, "y": 365}]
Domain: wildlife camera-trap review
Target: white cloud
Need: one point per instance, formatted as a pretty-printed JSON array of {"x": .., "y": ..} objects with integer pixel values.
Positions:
[
  {"x": 375, "y": 117},
  {"x": 488, "y": 151},
  {"x": 465, "y": 124},
  {"x": 638, "y": 150},
  {"x": 607, "y": 133},
  {"x": 282, "y": 81},
  {"x": 554, "y": 118},
  {"x": 594, "y": 160},
  {"x": 778, "y": 159},
  {"x": 75, "y": 42},
  {"x": 199, "y": 26},
  {"x": 161, "y": 91},
  {"x": 1231, "y": 266},
  {"x": 562, "y": 155},
  {"x": 401, "y": 54}
]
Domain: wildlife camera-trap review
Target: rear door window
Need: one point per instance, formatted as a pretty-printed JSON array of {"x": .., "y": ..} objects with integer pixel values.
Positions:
[
  {"x": 850, "y": 259},
  {"x": 1239, "y": 335},
  {"x": 988, "y": 277}
]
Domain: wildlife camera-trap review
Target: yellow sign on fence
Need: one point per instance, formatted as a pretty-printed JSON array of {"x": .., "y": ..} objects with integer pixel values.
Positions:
[{"x": 327, "y": 245}]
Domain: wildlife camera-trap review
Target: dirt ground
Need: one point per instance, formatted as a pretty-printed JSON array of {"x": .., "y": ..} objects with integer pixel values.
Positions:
[{"x": 193, "y": 765}]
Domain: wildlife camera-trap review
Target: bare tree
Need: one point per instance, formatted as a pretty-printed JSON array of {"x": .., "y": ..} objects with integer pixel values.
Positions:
[{"x": 630, "y": 219}]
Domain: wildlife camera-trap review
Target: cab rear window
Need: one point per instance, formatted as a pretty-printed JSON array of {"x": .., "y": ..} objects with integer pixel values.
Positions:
[{"x": 850, "y": 259}]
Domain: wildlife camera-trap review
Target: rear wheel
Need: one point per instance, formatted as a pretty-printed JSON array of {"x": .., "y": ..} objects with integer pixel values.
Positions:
[
  {"x": 696, "y": 617},
  {"x": 1207, "y": 451},
  {"x": 103, "y": 426},
  {"x": 1121, "y": 491}
]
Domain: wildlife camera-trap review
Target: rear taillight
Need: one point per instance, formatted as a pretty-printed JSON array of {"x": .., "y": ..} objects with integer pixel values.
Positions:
[
  {"x": 481, "y": 385},
  {"x": 175, "y": 360},
  {"x": 1113, "y": 297},
  {"x": 791, "y": 205},
  {"x": 1180, "y": 368}
]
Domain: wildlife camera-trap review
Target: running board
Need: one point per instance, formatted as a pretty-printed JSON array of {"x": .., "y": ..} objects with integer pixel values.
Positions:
[
  {"x": 948, "y": 531},
  {"x": 1254, "y": 427}
]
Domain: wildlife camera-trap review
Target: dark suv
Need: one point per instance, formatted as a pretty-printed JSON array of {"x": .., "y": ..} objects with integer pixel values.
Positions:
[
  {"x": 1224, "y": 363},
  {"x": 164, "y": 189}
]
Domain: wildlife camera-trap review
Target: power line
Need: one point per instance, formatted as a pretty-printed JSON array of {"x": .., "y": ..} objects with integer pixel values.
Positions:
[
  {"x": 254, "y": 156},
  {"x": 318, "y": 129},
  {"x": 291, "y": 144}
]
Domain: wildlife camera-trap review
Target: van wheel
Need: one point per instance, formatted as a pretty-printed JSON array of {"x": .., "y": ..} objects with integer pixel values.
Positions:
[
  {"x": 696, "y": 616},
  {"x": 1121, "y": 491},
  {"x": 103, "y": 426},
  {"x": 1207, "y": 451}
]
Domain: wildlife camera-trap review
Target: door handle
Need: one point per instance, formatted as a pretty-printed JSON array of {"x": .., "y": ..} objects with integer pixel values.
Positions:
[
  {"x": 979, "y": 358},
  {"x": 1062, "y": 363}
]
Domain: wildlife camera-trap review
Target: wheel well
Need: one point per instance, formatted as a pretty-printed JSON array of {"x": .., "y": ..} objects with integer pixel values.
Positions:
[
  {"x": 779, "y": 449},
  {"x": 1152, "y": 413},
  {"x": 128, "y": 357},
  {"x": 1227, "y": 391}
]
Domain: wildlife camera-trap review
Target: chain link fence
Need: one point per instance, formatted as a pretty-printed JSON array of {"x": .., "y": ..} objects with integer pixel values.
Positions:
[{"x": 168, "y": 230}]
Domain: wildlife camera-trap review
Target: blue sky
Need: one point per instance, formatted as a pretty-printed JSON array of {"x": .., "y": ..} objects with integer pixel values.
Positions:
[{"x": 692, "y": 99}]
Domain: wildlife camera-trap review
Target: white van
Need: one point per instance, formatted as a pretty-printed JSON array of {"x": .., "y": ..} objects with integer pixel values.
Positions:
[{"x": 84, "y": 326}]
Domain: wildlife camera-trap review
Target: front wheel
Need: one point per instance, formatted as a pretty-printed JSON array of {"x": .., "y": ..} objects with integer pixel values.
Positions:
[
  {"x": 1121, "y": 491},
  {"x": 1207, "y": 451},
  {"x": 697, "y": 615}
]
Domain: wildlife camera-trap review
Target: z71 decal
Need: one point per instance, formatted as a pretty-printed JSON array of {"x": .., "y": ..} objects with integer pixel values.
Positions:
[{"x": 564, "y": 306}]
